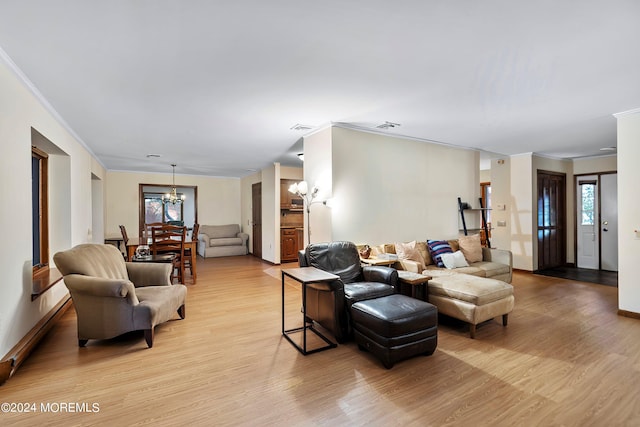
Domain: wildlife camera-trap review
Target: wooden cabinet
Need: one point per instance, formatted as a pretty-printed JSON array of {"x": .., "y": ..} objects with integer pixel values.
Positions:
[
  {"x": 291, "y": 222},
  {"x": 288, "y": 244},
  {"x": 289, "y": 200}
]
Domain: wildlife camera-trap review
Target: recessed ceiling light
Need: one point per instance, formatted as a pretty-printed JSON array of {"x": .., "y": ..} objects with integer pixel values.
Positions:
[
  {"x": 608, "y": 149},
  {"x": 153, "y": 156}
]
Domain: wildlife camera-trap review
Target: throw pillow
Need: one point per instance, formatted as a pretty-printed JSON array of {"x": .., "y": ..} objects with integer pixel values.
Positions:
[
  {"x": 436, "y": 249},
  {"x": 409, "y": 251},
  {"x": 454, "y": 260},
  {"x": 422, "y": 248},
  {"x": 471, "y": 247}
]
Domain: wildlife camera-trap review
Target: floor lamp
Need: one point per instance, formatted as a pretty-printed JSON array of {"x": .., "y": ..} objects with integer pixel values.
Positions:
[{"x": 301, "y": 189}]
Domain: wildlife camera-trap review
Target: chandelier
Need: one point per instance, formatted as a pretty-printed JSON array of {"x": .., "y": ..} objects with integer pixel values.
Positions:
[{"x": 173, "y": 197}]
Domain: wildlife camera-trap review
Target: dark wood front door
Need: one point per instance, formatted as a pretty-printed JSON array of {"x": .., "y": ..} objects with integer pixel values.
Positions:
[
  {"x": 551, "y": 219},
  {"x": 256, "y": 218}
]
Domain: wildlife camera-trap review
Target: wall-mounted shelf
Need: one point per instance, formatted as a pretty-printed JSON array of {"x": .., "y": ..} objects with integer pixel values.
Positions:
[{"x": 465, "y": 207}]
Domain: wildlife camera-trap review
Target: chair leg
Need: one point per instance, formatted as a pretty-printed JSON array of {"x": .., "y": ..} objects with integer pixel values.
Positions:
[
  {"x": 472, "y": 330},
  {"x": 505, "y": 319},
  {"x": 82, "y": 343},
  {"x": 181, "y": 311},
  {"x": 148, "y": 337}
]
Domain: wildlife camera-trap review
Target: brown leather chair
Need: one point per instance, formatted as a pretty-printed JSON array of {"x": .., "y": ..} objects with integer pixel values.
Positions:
[
  {"x": 112, "y": 297},
  {"x": 328, "y": 303}
]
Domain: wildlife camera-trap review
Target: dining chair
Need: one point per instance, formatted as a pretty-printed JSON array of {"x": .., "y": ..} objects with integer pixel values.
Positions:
[
  {"x": 170, "y": 239},
  {"x": 189, "y": 253},
  {"x": 125, "y": 240},
  {"x": 146, "y": 231}
]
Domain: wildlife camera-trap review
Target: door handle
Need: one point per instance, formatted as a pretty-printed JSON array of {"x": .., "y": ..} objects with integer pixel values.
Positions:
[{"x": 605, "y": 229}]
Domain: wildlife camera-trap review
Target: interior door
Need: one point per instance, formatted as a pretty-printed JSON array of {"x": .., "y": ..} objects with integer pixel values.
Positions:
[
  {"x": 588, "y": 254},
  {"x": 609, "y": 222},
  {"x": 551, "y": 226},
  {"x": 256, "y": 219}
]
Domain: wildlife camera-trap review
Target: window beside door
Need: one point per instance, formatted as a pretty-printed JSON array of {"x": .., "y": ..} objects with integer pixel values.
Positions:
[{"x": 588, "y": 195}]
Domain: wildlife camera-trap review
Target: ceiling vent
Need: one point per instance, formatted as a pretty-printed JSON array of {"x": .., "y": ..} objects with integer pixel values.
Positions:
[
  {"x": 301, "y": 127},
  {"x": 387, "y": 125}
]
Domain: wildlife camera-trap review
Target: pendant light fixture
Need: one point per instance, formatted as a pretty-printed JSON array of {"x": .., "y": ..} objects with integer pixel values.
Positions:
[{"x": 173, "y": 197}]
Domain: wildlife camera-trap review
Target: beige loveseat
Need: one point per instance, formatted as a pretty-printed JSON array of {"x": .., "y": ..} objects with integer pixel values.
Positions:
[
  {"x": 496, "y": 263},
  {"x": 222, "y": 240}
]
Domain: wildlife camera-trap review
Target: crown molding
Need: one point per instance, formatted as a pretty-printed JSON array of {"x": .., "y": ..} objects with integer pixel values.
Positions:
[
  {"x": 17, "y": 72},
  {"x": 350, "y": 126},
  {"x": 626, "y": 113}
]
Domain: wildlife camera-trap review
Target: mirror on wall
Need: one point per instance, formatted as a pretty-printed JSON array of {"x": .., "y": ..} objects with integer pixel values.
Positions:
[{"x": 153, "y": 209}]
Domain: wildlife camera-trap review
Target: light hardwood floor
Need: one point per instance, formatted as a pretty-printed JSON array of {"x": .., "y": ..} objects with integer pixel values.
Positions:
[{"x": 566, "y": 358}]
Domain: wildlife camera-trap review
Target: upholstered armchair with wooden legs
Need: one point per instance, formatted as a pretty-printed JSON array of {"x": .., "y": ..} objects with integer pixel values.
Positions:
[{"x": 112, "y": 297}]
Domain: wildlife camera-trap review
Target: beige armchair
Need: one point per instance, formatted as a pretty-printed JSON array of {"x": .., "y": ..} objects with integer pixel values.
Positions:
[{"x": 112, "y": 297}]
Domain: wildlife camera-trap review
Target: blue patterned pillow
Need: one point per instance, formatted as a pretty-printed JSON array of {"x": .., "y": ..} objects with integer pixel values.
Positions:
[{"x": 436, "y": 249}]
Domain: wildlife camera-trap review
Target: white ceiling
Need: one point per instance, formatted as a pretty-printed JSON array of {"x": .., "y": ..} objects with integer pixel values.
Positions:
[{"x": 215, "y": 86}]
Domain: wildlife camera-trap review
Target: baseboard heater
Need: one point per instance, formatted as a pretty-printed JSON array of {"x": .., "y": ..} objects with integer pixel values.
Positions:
[{"x": 19, "y": 353}]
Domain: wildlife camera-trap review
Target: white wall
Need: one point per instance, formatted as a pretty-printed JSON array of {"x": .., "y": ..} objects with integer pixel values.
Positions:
[
  {"x": 388, "y": 189},
  {"x": 521, "y": 210},
  {"x": 246, "y": 204},
  {"x": 628, "y": 211},
  {"x": 219, "y": 200},
  {"x": 317, "y": 172},
  {"x": 485, "y": 175},
  {"x": 271, "y": 213},
  {"x": 595, "y": 164},
  {"x": 70, "y": 207},
  {"x": 501, "y": 196}
]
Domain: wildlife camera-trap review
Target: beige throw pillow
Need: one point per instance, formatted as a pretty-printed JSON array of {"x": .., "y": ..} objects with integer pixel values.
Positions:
[
  {"x": 409, "y": 251},
  {"x": 471, "y": 248}
]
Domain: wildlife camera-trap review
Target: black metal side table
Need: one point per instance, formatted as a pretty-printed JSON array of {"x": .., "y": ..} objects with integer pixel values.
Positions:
[{"x": 306, "y": 276}]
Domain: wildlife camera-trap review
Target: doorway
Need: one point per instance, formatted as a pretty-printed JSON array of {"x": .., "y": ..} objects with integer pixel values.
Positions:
[
  {"x": 597, "y": 221},
  {"x": 551, "y": 228},
  {"x": 256, "y": 219}
]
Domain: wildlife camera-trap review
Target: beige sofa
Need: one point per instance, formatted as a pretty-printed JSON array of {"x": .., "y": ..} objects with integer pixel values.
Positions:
[
  {"x": 473, "y": 294},
  {"x": 496, "y": 263},
  {"x": 222, "y": 240}
]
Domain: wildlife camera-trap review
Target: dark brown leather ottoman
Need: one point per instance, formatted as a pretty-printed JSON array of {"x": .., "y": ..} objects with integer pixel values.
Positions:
[{"x": 395, "y": 327}]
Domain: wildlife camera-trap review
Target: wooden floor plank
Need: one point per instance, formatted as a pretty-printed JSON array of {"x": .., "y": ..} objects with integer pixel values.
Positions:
[{"x": 566, "y": 358}]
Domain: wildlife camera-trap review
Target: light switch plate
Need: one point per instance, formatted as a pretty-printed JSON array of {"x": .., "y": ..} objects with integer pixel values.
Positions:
[{"x": 502, "y": 223}]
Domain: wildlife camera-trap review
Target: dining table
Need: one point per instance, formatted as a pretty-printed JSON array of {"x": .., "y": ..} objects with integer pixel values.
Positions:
[{"x": 134, "y": 242}]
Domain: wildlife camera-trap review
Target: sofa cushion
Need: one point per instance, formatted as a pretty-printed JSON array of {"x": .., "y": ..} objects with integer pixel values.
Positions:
[
  {"x": 360, "y": 291},
  {"x": 492, "y": 268},
  {"x": 409, "y": 251},
  {"x": 471, "y": 247},
  {"x": 454, "y": 260},
  {"x": 220, "y": 231},
  {"x": 424, "y": 251},
  {"x": 475, "y": 290},
  {"x": 436, "y": 249},
  {"x": 472, "y": 270},
  {"x": 227, "y": 241}
]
